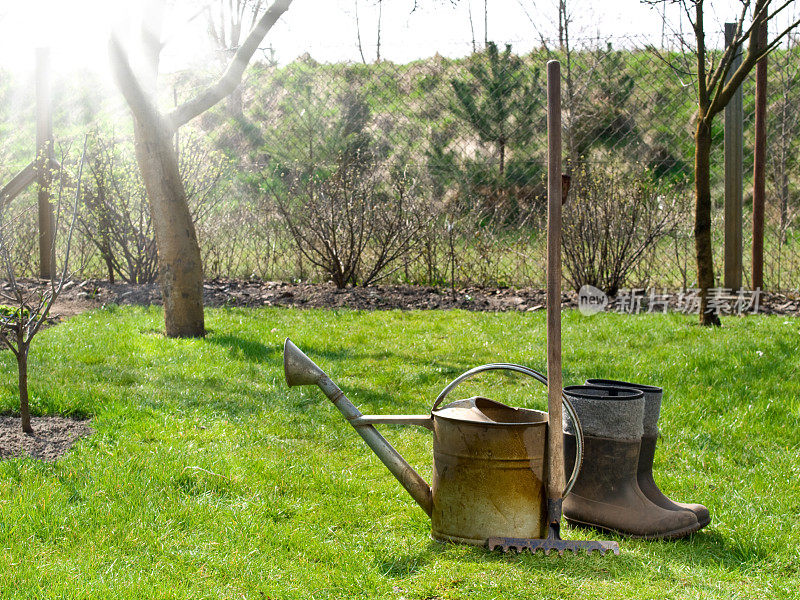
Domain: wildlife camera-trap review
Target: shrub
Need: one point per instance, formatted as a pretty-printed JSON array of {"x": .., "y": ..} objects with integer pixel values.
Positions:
[
  {"x": 115, "y": 216},
  {"x": 611, "y": 220},
  {"x": 353, "y": 224}
]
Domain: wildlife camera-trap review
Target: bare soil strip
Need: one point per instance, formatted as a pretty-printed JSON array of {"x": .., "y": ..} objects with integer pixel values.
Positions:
[
  {"x": 83, "y": 295},
  {"x": 52, "y": 437}
]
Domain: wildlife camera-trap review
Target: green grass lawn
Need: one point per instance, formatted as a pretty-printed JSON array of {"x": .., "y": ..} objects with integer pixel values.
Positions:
[{"x": 207, "y": 478}]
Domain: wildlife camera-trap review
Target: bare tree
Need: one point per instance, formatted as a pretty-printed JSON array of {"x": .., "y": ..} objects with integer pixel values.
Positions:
[
  {"x": 564, "y": 24},
  {"x": 485, "y": 23},
  {"x": 471, "y": 26},
  {"x": 227, "y": 21},
  {"x": 28, "y": 310},
  {"x": 358, "y": 34},
  {"x": 564, "y": 19},
  {"x": 380, "y": 19},
  {"x": 179, "y": 259},
  {"x": 717, "y": 82}
]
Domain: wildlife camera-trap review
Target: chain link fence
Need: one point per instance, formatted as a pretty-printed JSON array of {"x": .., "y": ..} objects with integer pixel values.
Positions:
[
  {"x": 433, "y": 172},
  {"x": 469, "y": 135}
]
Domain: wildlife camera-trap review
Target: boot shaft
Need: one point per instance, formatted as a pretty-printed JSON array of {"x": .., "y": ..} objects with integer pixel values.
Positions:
[
  {"x": 652, "y": 400},
  {"x": 608, "y": 465},
  {"x": 606, "y": 411}
]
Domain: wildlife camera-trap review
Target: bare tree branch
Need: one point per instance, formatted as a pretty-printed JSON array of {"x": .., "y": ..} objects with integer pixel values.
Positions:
[
  {"x": 233, "y": 74},
  {"x": 779, "y": 38},
  {"x": 726, "y": 91},
  {"x": 129, "y": 84},
  {"x": 20, "y": 324},
  {"x": 47, "y": 303},
  {"x": 718, "y": 74},
  {"x": 699, "y": 30}
]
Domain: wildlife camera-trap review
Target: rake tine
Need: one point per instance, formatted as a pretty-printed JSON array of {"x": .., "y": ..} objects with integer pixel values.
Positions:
[{"x": 547, "y": 545}]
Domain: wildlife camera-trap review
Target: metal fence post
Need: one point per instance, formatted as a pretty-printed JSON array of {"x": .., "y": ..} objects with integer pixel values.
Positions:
[
  {"x": 759, "y": 164},
  {"x": 734, "y": 125},
  {"x": 44, "y": 163}
]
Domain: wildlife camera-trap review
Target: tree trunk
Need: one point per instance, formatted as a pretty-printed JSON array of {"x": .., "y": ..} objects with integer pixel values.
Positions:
[
  {"x": 109, "y": 264},
  {"x": 471, "y": 28},
  {"x": 702, "y": 219},
  {"x": 24, "y": 406},
  {"x": 378, "y": 46},
  {"x": 179, "y": 265},
  {"x": 236, "y": 103},
  {"x": 485, "y": 23}
]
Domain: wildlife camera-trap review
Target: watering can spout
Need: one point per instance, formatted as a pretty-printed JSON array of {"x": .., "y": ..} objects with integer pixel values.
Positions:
[
  {"x": 301, "y": 370},
  {"x": 298, "y": 368}
]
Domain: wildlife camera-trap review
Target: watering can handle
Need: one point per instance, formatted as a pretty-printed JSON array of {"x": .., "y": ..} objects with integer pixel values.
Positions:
[{"x": 540, "y": 378}]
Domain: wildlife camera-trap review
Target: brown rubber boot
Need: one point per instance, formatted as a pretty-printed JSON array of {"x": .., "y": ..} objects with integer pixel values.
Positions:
[
  {"x": 606, "y": 494},
  {"x": 652, "y": 411},
  {"x": 648, "y": 485}
]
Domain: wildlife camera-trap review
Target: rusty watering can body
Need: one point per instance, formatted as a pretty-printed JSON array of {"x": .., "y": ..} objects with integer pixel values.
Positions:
[
  {"x": 488, "y": 458},
  {"x": 488, "y": 472}
]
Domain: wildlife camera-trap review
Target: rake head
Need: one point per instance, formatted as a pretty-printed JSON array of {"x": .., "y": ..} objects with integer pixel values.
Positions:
[
  {"x": 553, "y": 540},
  {"x": 547, "y": 545}
]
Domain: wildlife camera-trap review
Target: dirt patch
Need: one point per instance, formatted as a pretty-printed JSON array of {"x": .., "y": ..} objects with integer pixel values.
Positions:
[
  {"x": 216, "y": 293},
  {"x": 52, "y": 437},
  {"x": 82, "y": 295}
]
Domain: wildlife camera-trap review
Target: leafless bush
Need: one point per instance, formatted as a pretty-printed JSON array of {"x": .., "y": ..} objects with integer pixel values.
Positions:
[
  {"x": 613, "y": 218},
  {"x": 431, "y": 264},
  {"x": 23, "y": 246},
  {"x": 205, "y": 175},
  {"x": 355, "y": 224},
  {"x": 116, "y": 214},
  {"x": 477, "y": 252},
  {"x": 239, "y": 240}
]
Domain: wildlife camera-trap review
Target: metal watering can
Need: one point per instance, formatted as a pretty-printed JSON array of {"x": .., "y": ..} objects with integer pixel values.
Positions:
[{"x": 489, "y": 460}]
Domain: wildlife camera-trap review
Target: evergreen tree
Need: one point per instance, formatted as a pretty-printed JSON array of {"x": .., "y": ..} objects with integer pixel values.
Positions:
[{"x": 502, "y": 102}]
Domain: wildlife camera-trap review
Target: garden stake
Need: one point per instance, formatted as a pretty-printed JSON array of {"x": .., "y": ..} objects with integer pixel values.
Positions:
[{"x": 555, "y": 435}]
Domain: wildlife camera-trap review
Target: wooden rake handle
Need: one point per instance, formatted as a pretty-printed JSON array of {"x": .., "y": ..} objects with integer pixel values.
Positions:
[{"x": 555, "y": 439}]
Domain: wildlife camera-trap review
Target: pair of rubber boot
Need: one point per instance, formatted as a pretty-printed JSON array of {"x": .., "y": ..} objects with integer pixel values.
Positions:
[{"x": 615, "y": 490}]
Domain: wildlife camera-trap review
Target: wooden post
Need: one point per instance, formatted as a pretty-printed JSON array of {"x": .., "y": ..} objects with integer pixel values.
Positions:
[
  {"x": 555, "y": 439},
  {"x": 734, "y": 125},
  {"x": 759, "y": 164},
  {"x": 44, "y": 161}
]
